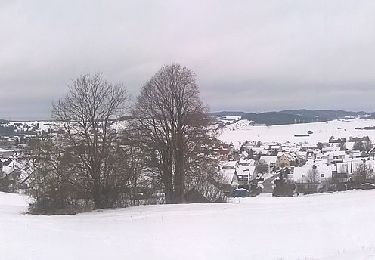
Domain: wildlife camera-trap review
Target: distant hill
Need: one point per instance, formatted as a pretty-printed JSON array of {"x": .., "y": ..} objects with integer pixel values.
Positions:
[
  {"x": 227, "y": 113},
  {"x": 325, "y": 115},
  {"x": 286, "y": 117},
  {"x": 369, "y": 116},
  {"x": 278, "y": 118}
]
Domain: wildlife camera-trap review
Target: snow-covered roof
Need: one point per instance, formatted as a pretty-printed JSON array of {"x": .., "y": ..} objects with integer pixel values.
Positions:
[
  {"x": 330, "y": 149},
  {"x": 268, "y": 159},
  {"x": 349, "y": 145},
  {"x": 332, "y": 154},
  {"x": 288, "y": 155},
  {"x": 246, "y": 161},
  {"x": 300, "y": 173},
  {"x": 248, "y": 171},
  {"x": 229, "y": 164}
]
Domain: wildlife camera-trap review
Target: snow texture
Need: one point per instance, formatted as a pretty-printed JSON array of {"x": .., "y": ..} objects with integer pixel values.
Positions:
[
  {"x": 242, "y": 131},
  {"x": 321, "y": 226}
]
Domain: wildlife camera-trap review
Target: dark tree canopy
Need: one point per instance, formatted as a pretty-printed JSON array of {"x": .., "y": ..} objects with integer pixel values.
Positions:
[
  {"x": 166, "y": 145},
  {"x": 86, "y": 150},
  {"x": 174, "y": 123}
]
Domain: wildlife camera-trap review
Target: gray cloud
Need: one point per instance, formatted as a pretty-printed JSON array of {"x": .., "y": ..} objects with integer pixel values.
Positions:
[{"x": 250, "y": 55}]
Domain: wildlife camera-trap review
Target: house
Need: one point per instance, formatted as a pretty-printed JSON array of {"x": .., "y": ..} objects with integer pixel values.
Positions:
[
  {"x": 274, "y": 149},
  {"x": 330, "y": 149},
  {"x": 245, "y": 174},
  {"x": 349, "y": 145},
  {"x": 269, "y": 160},
  {"x": 332, "y": 140},
  {"x": 308, "y": 147},
  {"x": 228, "y": 172},
  {"x": 317, "y": 171},
  {"x": 246, "y": 162},
  {"x": 284, "y": 160},
  {"x": 341, "y": 172},
  {"x": 248, "y": 145},
  {"x": 302, "y": 154},
  {"x": 256, "y": 152},
  {"x": 359, "y": 139},
  {"x": 223, "y": 149},
  {"x": 336, "y": 157}
]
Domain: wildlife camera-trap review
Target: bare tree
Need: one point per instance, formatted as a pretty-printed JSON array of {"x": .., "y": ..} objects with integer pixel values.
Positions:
[
  {"x": 363, "y": 173},
  {"x": 363, "y": 145},
  {"x": 313, "y": 175},
  {"x": 54, "y": 184},
  {"x": 174, "y": 126},
  {"x": 86, "y": 115},
  {"x": 262, "y": 168}
]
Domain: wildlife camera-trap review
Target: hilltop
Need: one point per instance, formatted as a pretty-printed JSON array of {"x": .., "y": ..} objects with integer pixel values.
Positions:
[{"x": 286, "y": 117}]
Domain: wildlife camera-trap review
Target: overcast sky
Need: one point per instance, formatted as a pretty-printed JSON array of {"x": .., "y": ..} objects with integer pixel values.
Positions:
[{"x": 248, "y": 55}]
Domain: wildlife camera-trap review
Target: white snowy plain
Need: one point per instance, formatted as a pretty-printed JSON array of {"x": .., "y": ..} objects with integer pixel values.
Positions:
[
  {"x": 241, "y": 131},
  {"x": 321, "y": 226}
]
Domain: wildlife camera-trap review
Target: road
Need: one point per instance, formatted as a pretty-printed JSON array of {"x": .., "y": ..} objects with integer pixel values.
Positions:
[{"x": 268, "y": 184}]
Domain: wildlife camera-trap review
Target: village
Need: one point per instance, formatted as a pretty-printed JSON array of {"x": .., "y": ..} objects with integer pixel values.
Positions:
[
  {"x": 16, "y": 141},
  {"x": 336, "y": 164},
  {"x": 247, "y": 169},
  {"x": 188, "y": 130}
]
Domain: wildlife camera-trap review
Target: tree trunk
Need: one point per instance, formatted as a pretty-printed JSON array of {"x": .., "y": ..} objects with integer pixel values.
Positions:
[
  {"x": 97, "y": 196},
  {"x": 180, "y": 171},
  {"x": 167, "y": 177}
]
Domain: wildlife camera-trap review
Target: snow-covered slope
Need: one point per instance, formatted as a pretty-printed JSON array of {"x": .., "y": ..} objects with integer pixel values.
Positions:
[
  {"x": 241, "y": 131},
  {"x": 324, "y": 226}
]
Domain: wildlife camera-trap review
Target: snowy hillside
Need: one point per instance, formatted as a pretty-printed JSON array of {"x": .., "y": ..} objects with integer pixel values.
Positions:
[
  {"x": 242, "y": 131},
  {"x": 324, "y": 226}
]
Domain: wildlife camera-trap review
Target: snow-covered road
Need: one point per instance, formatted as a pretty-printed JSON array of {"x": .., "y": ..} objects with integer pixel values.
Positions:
[{"x": 322, "y": 226}]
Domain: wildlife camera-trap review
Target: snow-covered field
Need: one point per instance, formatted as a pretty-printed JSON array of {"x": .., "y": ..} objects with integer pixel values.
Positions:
[
  {"x": 323, "y": 226},
  {"x": 241, "y": 131}
]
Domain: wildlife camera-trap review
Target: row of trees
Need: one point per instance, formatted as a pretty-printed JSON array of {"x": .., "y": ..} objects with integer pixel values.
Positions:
[{"x": 164, "y": 145}]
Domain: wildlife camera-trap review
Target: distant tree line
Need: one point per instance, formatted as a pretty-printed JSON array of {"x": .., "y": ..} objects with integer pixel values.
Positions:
[
  {"x": 286, "y": 117},
  {"x": 161, "y": 152}
]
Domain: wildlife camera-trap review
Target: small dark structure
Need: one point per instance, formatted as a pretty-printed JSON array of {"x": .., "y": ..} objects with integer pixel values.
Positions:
[{"x": 241, "y": 192}]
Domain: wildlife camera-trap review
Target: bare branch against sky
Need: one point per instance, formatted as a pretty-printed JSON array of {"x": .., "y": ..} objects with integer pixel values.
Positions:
[{"x": 249, "y": 55}]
